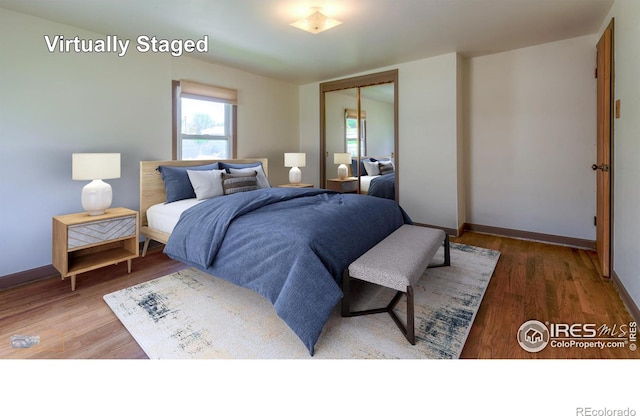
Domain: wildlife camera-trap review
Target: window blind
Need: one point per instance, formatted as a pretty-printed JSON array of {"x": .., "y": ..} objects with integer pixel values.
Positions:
[
  {"x": 349, "y": 113},
  {"x": 219, "y": 94}
]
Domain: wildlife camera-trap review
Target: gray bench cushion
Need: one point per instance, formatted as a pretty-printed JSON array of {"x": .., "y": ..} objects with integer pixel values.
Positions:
[{"x": 400, "y": 259}]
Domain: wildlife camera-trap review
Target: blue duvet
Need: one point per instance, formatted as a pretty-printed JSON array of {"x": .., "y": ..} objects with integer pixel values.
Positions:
[
  {"x": 289, "y": 245},
  {"x": 383, "y": 186}
]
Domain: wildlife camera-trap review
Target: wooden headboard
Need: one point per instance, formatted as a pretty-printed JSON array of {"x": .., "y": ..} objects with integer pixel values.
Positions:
[{"x": 152, "y": 187}]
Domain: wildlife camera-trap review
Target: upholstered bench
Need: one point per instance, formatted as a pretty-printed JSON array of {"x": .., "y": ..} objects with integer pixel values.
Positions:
[{"x": 397, "y": 262}]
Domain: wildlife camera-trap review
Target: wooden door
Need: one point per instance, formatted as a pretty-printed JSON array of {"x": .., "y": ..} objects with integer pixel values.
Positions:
[{"x": 603, "y": 157}]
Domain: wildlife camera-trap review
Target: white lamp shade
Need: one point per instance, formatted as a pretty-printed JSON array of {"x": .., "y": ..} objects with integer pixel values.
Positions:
[
  {"x": 90, "y": 166},
  {"x": 96, "y": 195},
  {"x": 342, "y": 158},
  {"x": 295, "y": 160}
]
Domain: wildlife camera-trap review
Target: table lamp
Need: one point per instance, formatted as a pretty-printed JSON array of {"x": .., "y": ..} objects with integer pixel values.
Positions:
[
  {"x": 295, "y": 161},
  {"x": 94, "y": 167},
  {"x": 343, "y": 159}
]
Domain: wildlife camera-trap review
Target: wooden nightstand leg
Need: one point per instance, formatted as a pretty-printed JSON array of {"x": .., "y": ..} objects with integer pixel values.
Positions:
[
  {"x": 129, "y": 265},
  {"x": 73, "y": 282}
]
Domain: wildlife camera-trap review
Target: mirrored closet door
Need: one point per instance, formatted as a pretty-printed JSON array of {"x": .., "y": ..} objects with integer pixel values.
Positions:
[{"x": 359, "y": 123}]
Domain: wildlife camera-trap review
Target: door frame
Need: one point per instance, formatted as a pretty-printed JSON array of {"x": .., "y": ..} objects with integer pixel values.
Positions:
[{"x": 605, "y": 258}]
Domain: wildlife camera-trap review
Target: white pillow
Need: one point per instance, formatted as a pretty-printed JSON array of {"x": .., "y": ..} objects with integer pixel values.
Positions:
[
  {"x": 206, "y": 183},
  {"x": 263, "y": 182},
  {"x": 371, "y": 168}
]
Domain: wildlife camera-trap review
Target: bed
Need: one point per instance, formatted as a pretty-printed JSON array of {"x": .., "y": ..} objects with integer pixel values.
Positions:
[
  {"x": 153, "y": 192},
  {"x": 289, "y": 245}
]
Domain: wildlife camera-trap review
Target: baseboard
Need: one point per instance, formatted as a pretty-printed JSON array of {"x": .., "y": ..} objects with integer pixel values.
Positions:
[
  {"x": 449, "y": 231},
  {"x": 27, "y": 276},
  {"x": 528, "y": 235},
  {"x": 626, "y": 297},
  {"x": 46, "y": 272}
]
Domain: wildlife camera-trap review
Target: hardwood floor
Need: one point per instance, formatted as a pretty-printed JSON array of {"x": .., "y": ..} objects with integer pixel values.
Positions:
[
  {"x": 76, "y": 324},
  {"x": 531, "y": 281},
  {"x": 547, "y": 283}
]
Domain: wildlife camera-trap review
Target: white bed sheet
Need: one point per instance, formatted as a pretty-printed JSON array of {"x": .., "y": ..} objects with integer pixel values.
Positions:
[
  {"x": 164, "y": 217},
  {"x": 365, "y": 181}
]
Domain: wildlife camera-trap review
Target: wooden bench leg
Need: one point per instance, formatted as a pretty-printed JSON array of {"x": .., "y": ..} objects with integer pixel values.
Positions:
[
  {"x": 447, "y": 253},
  {"x": 411, "y": 332},
  {"x": 407, "y": 329}
]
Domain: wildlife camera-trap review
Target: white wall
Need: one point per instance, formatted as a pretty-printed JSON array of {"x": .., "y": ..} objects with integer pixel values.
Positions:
[
  {"x": 309, "y": 112},
  {"x": 463, "y": 153},
  {"x": 531, "y": 136},
  {"x": 428, "y": 148},
  {"x": 54, "y": 104},
  {"x": 626, "y": 155}
]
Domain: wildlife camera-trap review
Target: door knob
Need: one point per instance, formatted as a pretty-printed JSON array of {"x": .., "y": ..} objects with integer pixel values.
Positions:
[{"x": 603, "y": 167}]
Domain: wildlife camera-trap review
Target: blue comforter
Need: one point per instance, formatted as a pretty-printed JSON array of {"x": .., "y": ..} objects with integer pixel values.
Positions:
[
  {"x": 289, "y": 245},
  {"x": 383, "y": 186}
]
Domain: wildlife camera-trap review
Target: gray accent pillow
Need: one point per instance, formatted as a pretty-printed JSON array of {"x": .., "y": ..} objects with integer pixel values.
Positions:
[
  {"x": 263, "y": 182},
  {"x": 206, "y": 183},
  {"x": 239, "y": 182},
  {"x": 385, "y": 167}
]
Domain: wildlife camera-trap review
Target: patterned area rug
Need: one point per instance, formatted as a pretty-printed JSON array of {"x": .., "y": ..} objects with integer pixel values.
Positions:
[{"x": 190, "y": 314}]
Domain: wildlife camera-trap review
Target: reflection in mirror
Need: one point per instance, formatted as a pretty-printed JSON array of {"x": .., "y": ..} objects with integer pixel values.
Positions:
[
  {"x": 336, "y": 102},
  {"x": 369, "y": 136},
  {"x": 351, "y": 131},
  {"x": 377, "y": 107}
]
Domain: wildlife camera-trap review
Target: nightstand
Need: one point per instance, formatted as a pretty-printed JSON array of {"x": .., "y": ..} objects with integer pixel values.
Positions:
[
  {"x": 346, "y": 185},
  {"x": 296, "y": 185},
  {"x": 82, "y": 242}
]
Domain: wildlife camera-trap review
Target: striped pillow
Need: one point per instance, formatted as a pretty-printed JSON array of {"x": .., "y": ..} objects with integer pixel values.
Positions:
[
  {"x": 385, "y": 167},
  {"x": 239, "y": 182}
]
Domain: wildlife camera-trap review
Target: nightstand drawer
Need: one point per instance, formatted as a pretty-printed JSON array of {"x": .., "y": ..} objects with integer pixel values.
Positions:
[
  {"x": 348, "y": 185},
  {"x": 351, "y": 186},
  {"x": 82, "y": 235}
]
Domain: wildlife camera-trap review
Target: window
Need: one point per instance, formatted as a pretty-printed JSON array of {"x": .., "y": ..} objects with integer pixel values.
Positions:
[
  {"x": 204, "y": 122},
  {"x": 351, "y": 132}
]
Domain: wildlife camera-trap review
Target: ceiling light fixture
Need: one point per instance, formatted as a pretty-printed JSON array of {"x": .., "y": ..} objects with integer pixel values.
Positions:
[{"x": 316, "y": 22}]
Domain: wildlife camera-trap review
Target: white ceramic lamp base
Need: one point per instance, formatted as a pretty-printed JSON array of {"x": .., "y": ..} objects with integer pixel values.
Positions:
[
  {"x": 295, "y": 175},
  {"x": 96, "y": 197},
  {"x": 342, "y": 171}
]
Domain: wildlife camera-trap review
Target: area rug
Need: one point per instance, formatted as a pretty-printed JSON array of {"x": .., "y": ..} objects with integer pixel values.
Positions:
[{"x": 190, "y": 314}]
